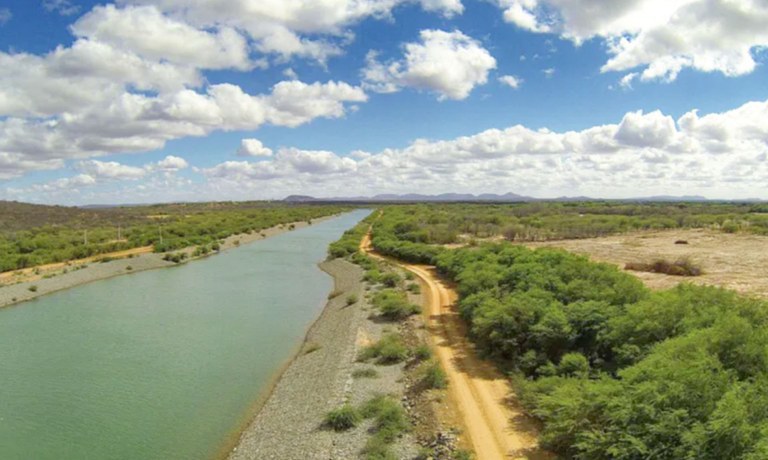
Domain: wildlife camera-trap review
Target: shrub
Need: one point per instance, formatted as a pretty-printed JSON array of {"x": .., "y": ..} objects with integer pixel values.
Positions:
[
  {"x": 367, "y": 373},
  {"x": 394, "y": 305},
  {"x": 389, "y": 350},
  {"x": 129, "y": 268},
  {"x": 434, "y": 376},
  {"x": 681, "y": 242},
  {"x": 32, "y": 288},
  {"x": 352, "y": 299},
  {"x": 176, "y": 258},
  {"x": 414, "y": 288},
  {"x": 344, "y": 418},
  {"x": 680, "y": 267},
  {"x": 422, "y": 352},
  {"x": 390, "y": 279}
]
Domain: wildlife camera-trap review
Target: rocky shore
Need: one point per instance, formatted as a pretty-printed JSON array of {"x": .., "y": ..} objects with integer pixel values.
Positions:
[{"x": 320, "y": 378}]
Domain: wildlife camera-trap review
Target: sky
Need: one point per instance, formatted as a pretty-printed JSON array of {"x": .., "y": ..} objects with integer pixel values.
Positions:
[{"x": 144, "y": 101}]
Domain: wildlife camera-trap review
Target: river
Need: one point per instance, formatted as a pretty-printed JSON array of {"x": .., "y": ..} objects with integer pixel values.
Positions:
[{"x": 163, "y": 364}]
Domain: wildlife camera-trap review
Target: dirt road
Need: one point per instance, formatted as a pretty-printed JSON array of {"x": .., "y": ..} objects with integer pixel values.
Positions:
[{"x": 493, "y": 420}]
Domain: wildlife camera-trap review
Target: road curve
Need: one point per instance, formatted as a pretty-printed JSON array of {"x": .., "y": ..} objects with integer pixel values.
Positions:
[{"x": 494, "y": 422}]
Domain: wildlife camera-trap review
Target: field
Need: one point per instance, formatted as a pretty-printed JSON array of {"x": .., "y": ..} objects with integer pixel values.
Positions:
[
  {"x": 734, "y": 261},
  {"x": 33, "y": 235}
]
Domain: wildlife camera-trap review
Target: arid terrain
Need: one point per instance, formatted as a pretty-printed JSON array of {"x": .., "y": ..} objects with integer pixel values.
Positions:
[{"x": 734, "y": 261}]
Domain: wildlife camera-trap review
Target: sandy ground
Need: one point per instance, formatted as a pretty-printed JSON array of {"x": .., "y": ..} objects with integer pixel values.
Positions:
[
  {"x": 494, "y": 421},
  {"x": 734, "y": 261},
  {"x": 23, "y": 285}
]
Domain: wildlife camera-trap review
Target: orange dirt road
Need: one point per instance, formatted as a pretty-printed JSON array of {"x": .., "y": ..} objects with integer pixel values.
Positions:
[{"x": 493, "y": 420}]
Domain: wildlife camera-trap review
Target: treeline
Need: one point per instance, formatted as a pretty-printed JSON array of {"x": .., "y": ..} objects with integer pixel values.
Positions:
[
  {"x": 462, "y": 223},
  {"x": 611, "y": 369},
  {"x": 166, "y": 227}
]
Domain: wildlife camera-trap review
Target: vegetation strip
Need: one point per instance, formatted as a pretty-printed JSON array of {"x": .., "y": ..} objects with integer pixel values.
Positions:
[{"x": 610, "y": 368}]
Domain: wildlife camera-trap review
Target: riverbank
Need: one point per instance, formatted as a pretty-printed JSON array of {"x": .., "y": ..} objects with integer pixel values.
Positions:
[
  {"x": 14, "y": 290},
  {"x": 324, "y": 375}
]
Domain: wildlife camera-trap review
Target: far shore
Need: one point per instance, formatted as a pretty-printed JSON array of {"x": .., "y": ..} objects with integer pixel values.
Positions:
[{"x": 54, "y": 278}]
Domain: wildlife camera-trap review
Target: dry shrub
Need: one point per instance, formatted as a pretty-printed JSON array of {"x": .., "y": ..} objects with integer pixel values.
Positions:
[{"x": 680, "y": 267}]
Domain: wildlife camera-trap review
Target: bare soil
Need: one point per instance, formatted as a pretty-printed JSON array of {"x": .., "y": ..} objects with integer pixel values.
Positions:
[{"x": 733, "y": 261}]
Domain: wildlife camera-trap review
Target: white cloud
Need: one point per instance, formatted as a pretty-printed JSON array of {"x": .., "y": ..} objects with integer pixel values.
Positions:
[
  {"x": 448, "y": 8},
  {"x": 291, "y": 28},
  {"x": 450, "y": 64},
  {"x": 253, "y": 148},
  {"x": 723, "y": 154},
  {"x": 5, "y": 16},
  {"x": 110, "y": 170},
  {"x": 63, "y": 7},
  {"x": 549, "y": 73},
  {"x": 661, "y": 37},
  {"x": 511, "y": 81},
  {"x": 170, "y": 164},
  {"x": 148, "y": 33},
  {"x": 135, "y": 123}
]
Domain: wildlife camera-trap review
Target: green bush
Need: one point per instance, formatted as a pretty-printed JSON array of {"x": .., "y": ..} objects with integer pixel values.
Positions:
[
  {"x": 434, "y": 376},
  {"x": 389, "y": 350},
  {"x": 367, "y": 373},
  {"x": 422, "y": 352},
  {"x": 394, "y": 305},
  {"x": 344, "y": 418},
  {"x": 352, "y": 299}
]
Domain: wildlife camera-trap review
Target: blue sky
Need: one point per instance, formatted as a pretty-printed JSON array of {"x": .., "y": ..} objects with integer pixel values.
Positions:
[{"x": 156, "y": 100}]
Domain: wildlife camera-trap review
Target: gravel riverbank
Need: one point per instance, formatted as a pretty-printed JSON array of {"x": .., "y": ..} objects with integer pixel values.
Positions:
[
  {"x": 16, "y": 289},
  {"x": 320, "y": 378}
]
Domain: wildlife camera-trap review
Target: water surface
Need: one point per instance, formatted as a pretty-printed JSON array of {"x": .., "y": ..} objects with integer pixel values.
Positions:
[{"x": 162, "y": 364}]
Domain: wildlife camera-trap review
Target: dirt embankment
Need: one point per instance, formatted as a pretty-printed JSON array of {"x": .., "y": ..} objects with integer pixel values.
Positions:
[
  {"x": 734, "y": 261},
  {"x": 484, "y": 398},
  {"x": 22, "y": 285}
]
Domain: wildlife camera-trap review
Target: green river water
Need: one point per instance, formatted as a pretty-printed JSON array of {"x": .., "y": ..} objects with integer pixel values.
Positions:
[{"x": 163, "y": 364}]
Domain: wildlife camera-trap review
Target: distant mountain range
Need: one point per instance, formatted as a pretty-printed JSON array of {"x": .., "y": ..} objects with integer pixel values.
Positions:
[{"x": 492, "y": 197}]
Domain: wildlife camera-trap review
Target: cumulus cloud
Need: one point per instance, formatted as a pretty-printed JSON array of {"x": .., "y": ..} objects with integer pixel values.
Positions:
[
  {"x": 110, "y": 170},
  {"x": 253, "y": 148},
  {"x": 134, "y": 123},
  {"x": 450, "y": 64},
  {"x": 661, "y": 37},
  {"x": 721, "y": 154},
  {"x": 303, "y": 28},
  {"x": 511, "y": 81},
  {"x": 148, "y": 33},
  {"x": 170, "y": 163}
]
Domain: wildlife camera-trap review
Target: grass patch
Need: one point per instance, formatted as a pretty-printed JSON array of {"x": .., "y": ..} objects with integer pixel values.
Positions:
[
  {"x": 342, "y": 419},
  {"x": 422, "y": 353},
  {"x": 390, "y": 422},
  {"x": 680, "y": 267},
  {"x": 394, "y": 305},
  {"x": 389, "y": 350},
  {"x": 367, "y": 373},
  {"x": 352, "y": 299},
  {"x": 433, "y": 375}
]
